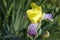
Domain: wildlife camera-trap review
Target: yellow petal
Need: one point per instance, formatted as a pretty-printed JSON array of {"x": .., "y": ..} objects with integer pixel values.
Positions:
[
  {"x": 34, "y": 6},
  {"x": 31, "y": 13},
  {"x": 37, "y": 18},
  {"x": 35, "y": 13}
]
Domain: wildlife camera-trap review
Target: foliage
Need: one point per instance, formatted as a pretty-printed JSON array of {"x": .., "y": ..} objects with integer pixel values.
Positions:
[{"x": 14, "y": 22}]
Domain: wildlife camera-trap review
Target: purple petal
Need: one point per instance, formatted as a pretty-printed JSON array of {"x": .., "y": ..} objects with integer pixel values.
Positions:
[
  {"x": 32, "y": 29},
  {"x": 48, "y": 16}
]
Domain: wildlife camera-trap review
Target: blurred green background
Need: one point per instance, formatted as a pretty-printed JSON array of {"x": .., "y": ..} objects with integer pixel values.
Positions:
[{"x": 14, "y": 22}]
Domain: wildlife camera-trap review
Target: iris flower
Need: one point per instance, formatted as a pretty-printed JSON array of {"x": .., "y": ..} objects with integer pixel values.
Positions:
[{"x": 35, "y": 15}]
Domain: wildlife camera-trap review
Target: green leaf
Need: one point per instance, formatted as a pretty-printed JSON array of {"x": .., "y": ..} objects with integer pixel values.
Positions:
[{"x": 40, "y": 31}]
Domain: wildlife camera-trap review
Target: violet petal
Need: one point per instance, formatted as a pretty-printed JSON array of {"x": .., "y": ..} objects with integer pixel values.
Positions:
[
  {"x": 32, "y": 29},
  {"x": 48, "y": 16}
]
